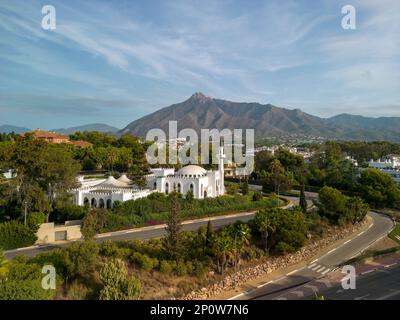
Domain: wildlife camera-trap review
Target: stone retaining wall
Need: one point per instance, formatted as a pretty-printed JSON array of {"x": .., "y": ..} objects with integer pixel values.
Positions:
[{"x": 307, "y": 252}]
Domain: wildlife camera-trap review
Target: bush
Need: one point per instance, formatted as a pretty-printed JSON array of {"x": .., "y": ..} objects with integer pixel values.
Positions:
[
  {"x": 257, "y": 196},
  {"x": 70, "y": 212},
  {"x": 283, "y": 247},
  {"x": 199, "y": 269},
  {"x": 108, "y": 248},
  {"x": 166, "y": 266},
  {"x": 144, "y": 261},
  {"x": 81, "y": 258},
  {"x": 181, "y": 268},
  {"x": 16, "y": 235},
  {"x": 78, "y": 291}
]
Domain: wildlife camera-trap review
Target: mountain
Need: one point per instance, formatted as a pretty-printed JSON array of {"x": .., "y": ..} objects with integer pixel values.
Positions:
[
  {"x": 6, "y": 128},
  {"x": 101, "y": 127},
  {"x": 200, "y": 111}
]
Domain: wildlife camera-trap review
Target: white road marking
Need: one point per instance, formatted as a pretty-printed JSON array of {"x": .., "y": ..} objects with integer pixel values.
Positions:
[
  {"x": 313, "y": 288},
  {"x": 360, "y": 233},
  {"x": 294, "y": 271},
  {"x": 394, "y": 293},
  {"x": 390, "y": 265},
  {"x": 362, "y": 297},
  {"x": 281, "y": 298},
  {"x": 334, "y": 249},
  {"x": 320, "y": 269},
  {"x": 237, "y": 296},
  {"x": 299, "y": 294},
  {"x": 265, "y": 284},
  {"x": 311, "y": 265},
  {"x": 326, "y": 271},
  {"x": 316, "y": 267},
  {"x": 369, "y": 271},
  {"x": 347, "y": 242},
  {"x": 314, "y": 261}
]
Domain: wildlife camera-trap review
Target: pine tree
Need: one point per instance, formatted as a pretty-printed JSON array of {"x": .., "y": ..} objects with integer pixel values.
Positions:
[
  {"x": 208, "y": 242},
  {"x": 173, "y": 241},
  {"x": 303, "y": 201}
]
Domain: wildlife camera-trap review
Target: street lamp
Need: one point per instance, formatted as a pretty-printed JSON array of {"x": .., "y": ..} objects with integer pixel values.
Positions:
[{"x": 242, "y": 233}]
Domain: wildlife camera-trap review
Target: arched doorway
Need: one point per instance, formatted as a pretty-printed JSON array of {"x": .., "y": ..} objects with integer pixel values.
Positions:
[
  {"x": 86, "y": 202},
  {"x": 101, "y": 203},
  {"x": 93, "y": 203},
  {"x": 205, "y": 194},
  {"x": 191, "y": 188},
  {"x": 166, "y": 188},
  {"x": 109, "y": 204},
  {"x": 179, "y": 188},
  {"x": 155, "y": 185}
]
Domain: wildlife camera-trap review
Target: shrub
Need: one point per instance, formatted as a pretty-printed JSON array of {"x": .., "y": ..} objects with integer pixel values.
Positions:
[
  {"x": 144, "y": 261},
  {"x": 78, "y": 291},
  {"x": 283, "y": 247},
  {"x": 81, "y": 258},
  {"x": 16, "y": 235},
  {"x": 70, "y": 212},
  {"x": 181, "y": 268},
  {"x": 199, "y": 269},
  {"x": 108, "y": 248},
  {"x": 166, "y": 266},
  {"x": 257, "y": 196}
]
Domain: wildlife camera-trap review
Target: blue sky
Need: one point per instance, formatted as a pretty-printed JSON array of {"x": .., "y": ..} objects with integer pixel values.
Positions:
[{"x": 114, "y": 61}]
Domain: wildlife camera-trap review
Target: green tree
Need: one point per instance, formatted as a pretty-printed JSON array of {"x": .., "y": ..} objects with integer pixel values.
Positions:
[
  {"x": 80, "y": 258},
  {"x": 245, "y": 187},
  {"x": 173, "y": 240},
  {"x": 332, "y": 203},
  {"x": 117, "y": 284},
  {"x": 302, "y": 200},
  {"x": 93, "y": 222},
  {"x": 378, "y": 188}
]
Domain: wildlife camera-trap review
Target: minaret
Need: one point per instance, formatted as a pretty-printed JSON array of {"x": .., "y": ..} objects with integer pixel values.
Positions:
[{"x": 221, "y": 169}]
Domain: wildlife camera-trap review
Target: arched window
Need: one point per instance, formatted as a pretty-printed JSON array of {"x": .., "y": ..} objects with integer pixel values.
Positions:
[
  {"x": 93, "y": 203},
  {"x": 86, "y": 202},
  {"x": 166, "y": 188},
  {"x": 205, "y": 194},
  {"x": 101, "y": 203},
  {"x": 179, "y": 188},
  {"x": 191, "y": 188},
  {"x": 155, "y": 185},
  {"x": 174, "y": 186},
  {"x": 109, "y": 204}
]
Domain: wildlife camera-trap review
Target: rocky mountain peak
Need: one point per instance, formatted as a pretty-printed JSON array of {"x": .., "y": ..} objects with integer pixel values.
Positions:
[{"x": 200, "y": 97}]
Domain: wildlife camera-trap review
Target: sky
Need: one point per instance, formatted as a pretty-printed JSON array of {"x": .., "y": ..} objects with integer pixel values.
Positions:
[{"x": 115, "y": 61}]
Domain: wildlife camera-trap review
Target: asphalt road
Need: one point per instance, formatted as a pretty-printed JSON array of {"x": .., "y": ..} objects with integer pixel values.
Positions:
[
  {"x": 383, "y": 284},
  {"x": 323, "y": 265}
]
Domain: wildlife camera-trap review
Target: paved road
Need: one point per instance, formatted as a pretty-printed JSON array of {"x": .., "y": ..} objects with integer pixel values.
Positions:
[
  {"x": 322, "y": 266},
  {"x": 144, "y": 233},
  {"x": 382, "y": 284}
]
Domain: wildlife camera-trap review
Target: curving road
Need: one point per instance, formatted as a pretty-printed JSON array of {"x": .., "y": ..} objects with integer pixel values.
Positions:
[{"x": 321, "y": 266}]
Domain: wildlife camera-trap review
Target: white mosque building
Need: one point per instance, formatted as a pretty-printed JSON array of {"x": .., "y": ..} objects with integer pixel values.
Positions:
[{"x": 201, "y": 182}]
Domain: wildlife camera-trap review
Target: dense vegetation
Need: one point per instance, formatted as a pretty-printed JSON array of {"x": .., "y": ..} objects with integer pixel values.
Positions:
[{"x": 331, "y": 166}]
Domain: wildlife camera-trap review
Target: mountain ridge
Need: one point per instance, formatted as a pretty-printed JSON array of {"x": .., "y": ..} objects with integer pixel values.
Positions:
[{"x": 201, "y": 111}]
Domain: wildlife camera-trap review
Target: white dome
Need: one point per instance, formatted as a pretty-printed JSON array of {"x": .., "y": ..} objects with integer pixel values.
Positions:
[
  {"x": 192, "y": 170},
  {"x": 124, "y": 179},
  {"x": 111, "y": 182}
]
